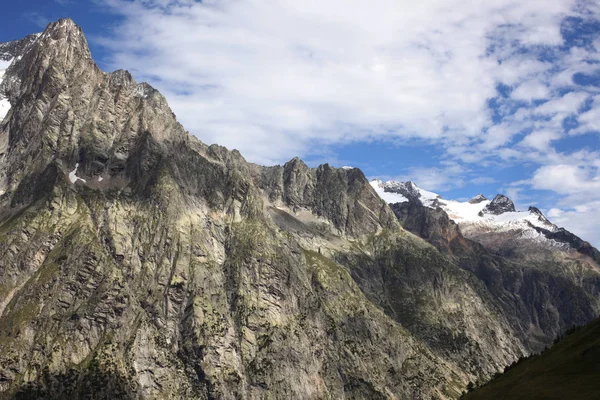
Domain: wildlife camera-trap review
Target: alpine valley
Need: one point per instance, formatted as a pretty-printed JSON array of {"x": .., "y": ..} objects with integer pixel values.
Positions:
[{"x": 137, "y": 262}]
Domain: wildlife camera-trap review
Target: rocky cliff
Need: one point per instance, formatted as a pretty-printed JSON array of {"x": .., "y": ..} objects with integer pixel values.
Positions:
[{"x": 138, "y": 262}]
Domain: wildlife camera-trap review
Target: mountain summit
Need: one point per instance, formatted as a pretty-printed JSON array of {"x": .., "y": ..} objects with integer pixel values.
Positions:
[
  {"x": 138, "y": 262},
  {"x": 499, "y": 205}
]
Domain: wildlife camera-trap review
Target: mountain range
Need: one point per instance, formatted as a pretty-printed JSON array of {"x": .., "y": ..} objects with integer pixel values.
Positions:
[{"x": 138, "y": 262}]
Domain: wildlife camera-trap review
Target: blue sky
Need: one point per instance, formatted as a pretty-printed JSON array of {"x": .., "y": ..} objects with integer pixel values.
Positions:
[{"x": 460, "y": 96}]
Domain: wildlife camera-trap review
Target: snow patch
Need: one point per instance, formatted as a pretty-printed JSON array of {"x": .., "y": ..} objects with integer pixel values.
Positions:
[
  {"x": 73, "y": 175},
  {"x": 4, "y": 103},
  {"x": 347, "y": 167},
  {"x": 467, "y": 214},
  {"x": 4, "y": 108},
  {"x": 388, "y": 197}
]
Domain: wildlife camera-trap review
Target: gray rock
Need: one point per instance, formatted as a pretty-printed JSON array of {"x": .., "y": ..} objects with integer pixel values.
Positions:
[{"x": 499, "y": 205}]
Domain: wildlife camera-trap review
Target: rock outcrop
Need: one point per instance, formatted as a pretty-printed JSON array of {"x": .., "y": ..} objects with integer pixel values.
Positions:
[
  {"x": 499, "y": 205},
  {"x": 478, "y": 199}
]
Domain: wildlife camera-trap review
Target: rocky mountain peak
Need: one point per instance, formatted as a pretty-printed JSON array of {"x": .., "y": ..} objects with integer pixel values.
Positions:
[
  {"x": 67, "y": 39},
  {"x": 50, "y": 60},
  {"x": 65, "y": 30},
  {"x": 478, "y": 199},
  {"x": 407, "y": 189},
  {"x": 538, "y": 213},
  {"x": 499, "y": 205}
]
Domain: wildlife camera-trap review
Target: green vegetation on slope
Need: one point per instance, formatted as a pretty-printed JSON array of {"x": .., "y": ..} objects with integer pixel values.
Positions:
[{"x": 568, "y": 370}]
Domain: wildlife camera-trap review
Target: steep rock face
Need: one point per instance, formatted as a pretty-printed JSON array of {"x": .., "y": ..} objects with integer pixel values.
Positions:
[
  {"x": 437, "y": 301},
  {"x": 433, "y": 225},
  {"x": 10, "y": 51},
  {"x": 137, "y": 262},
  {"x": 341, "y": 196}
]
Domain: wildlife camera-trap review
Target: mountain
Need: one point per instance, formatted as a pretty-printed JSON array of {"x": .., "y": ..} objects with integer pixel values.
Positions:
[
  {"x": 543, "y": 277},
  {"x": 496, "y": 224},
  {"x": 570, "y": 369},
  {"x": 139, "y": 262}
]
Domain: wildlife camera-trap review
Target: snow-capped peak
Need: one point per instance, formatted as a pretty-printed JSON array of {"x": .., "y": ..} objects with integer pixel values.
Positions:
[
  {"x": 406, "y": 190},
  {"x": 388, "y": 197},
  {"x": 498, "y": 214}
]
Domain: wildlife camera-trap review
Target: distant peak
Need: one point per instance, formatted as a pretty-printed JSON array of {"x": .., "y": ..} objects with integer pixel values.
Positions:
[
  {"x": 535, "y": 210},
  {"x": 478, "y": 199},
  {"x": 539, "y": 214},
  {"x": 10, "y": 50},
  {"x": 407, "y": 189},
  {"x": 499, "y": 205}
]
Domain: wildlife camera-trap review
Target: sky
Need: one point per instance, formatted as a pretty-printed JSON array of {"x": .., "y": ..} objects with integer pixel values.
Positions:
[{"x": 460, "y": 96}]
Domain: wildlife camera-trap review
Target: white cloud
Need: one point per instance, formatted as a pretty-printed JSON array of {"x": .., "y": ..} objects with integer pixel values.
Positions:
[
  {"x": 567, "y": 104},
  {"x": 568, "y": 180},
  {"x": 451, "y": 176},
  {"x": 590, "y": 120},
  {"x": 279, "y": 78},
  {"x": 482, "y": 180},
  {"x": 531, "y": 90},
  {"x": 540, "y": 140}
]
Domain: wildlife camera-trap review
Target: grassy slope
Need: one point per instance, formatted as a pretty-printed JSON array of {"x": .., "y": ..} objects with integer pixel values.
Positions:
[{"x": 569, "y": 370}]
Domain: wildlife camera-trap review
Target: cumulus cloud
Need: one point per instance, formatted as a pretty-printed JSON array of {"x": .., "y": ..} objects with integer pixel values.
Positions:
[
  {"x": 531, "y": 90},
  {"x": 590, "y": 120},
  {"x": 568, "y": 179},
  {"x": 568, "y": 104},
  {"x": 540, "y": 140},
  {"x": 482, "y": 180},
  {"x": 279, "y": 79}
]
